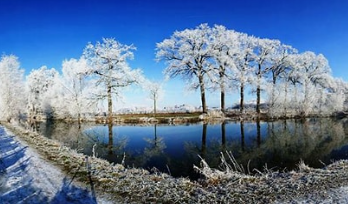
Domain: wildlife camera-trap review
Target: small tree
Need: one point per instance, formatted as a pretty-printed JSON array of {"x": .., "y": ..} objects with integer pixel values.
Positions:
[
  {"x": 110, "y": 69},
  {"x": 156, "y": 91}
]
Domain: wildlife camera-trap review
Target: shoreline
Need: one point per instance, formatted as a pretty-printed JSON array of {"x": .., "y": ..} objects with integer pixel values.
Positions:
[
  {"x": 180, "y": 118},
  {"x": 130, "y": 185}
]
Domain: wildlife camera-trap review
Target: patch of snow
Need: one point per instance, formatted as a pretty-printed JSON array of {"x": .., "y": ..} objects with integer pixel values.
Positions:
[{"x": 25, "y": 177}]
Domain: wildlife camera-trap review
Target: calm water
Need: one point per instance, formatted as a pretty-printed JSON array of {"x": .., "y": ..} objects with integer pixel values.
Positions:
[{"x": 175, "y": 148}]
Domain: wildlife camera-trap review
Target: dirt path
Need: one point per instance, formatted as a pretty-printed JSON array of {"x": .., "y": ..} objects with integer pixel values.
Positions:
[{"x": 27, "y": 178}]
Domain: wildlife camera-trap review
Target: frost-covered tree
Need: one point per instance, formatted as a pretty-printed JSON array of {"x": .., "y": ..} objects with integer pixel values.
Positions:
[
  {"x": 315, "y": 74},
  {"x": 40, "y": 83},
  {"x": 263, "y": 51},
  {"x": 12, "y": 91},
  {"x": 335, "y": 96},
  {"x": 110, "y": 69},
  {"x": 74, "y": 87},
  {"x": 243, "y": 69},
  {"x": 188, "y": 54},
  {"x": 280, "y": 61},
  {"x": 292, "y": 79},
  {"x": 225, "y": 48}
]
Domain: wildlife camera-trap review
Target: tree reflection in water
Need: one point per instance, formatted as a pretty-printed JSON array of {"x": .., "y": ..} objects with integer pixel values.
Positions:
[
  {"x": 153, "y": 152},
  {"x": 279, "y": 144},
  {"x": 111, "y": 139},
  {"x": 242, "y": 135},
  {"x": 223, "y": 136},
  {"x": 204, "y": 141}
]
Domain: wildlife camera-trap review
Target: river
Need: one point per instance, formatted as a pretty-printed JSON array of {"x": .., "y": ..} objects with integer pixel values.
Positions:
[{"x": 174, "y": 149}]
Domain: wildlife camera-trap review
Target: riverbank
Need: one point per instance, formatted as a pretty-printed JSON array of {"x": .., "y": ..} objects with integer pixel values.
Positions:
[
  {"x": 129, "y": 185},
  {"x": 212, "y": 116}
]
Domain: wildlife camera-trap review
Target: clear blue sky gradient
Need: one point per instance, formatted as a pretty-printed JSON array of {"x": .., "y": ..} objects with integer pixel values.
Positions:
[{"x": 45, "y": 32}]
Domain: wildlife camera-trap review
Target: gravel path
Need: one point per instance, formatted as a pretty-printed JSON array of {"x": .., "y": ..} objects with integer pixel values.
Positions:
[{"x": 27, "y": 178}]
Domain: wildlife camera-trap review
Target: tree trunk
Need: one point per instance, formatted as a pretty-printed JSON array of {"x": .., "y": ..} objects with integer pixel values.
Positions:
[
  {"x": 109, "y": 96},
  {"x": 222, "y": 98},
  {"x": 79, "y": 119},
  {"x": 305, "y": 109},
  {"x": 286, "y": 99},
  {"x": 258, "y": 91},
  {"x": 202, "y": 89},
  {"x": 222, "y": 89},
  {"x": 273, "y": 90},
  {"x": 258, "y": 95},
  {"x": 241, "y": 104},
  {"x": 154, "y": 107}
]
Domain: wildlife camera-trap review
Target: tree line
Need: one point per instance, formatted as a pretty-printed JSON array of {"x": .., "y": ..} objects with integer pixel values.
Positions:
[
  {"x": 207, "y": 58},
  {"x": 218, "y": 59}
]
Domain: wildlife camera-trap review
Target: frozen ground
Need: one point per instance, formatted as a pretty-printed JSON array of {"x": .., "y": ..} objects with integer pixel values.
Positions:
[{"x": 27, "y": 178}]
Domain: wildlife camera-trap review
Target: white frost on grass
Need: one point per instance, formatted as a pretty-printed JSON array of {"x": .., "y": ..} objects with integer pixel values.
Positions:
[{"x": 27, "y": 178}]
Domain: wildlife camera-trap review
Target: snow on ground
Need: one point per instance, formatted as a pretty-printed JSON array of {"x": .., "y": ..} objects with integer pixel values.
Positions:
[{"x": 27, "y": 178}]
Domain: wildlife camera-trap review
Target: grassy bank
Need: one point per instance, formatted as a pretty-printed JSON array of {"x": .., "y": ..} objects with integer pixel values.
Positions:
[{"x": 230, "y": 185}]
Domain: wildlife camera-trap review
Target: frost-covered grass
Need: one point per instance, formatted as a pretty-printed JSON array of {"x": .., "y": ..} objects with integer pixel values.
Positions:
[
  {"x": 26, "y": 178},
  {"x": 231, "y": 184}
]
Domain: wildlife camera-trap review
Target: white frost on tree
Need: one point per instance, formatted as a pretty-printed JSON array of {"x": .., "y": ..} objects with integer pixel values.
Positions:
[
  {"x": 73, "y": 89},
  {"x": 12, "y": 91},
  {"x": 315, "y": 76},
  {"x": 243, "y": 75},
  {"x": 263, "y": 51},
  {"x": 40, "y": 88},
  {"x": 225, "y": 47},
  {"x": 336, "y": 96},
  {"x": 278, "y": 86},
  {"x": 109, "y": 69},
  {"x": 187, "y": 54},
  {"x": 155, "y": 93}
]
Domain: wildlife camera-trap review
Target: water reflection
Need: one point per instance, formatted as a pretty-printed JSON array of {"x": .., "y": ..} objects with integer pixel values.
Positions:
[
  {"x": 204, "y": 140},
  {"x": 223, "y": 136},
  {"x": 154, "y": 154},
  {"x": 258, "y": 130},
  {"x": 242, "y": 135},
  {"x": 111, "y": 139},
  {"x": 174, "y": 149}
]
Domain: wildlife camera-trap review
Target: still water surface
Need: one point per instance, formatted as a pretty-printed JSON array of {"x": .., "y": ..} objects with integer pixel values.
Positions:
[{"x": 173, "y": 149}]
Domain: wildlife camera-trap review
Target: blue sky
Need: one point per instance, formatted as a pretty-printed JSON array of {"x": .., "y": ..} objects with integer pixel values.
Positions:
[{"x": 45, "y": 32}]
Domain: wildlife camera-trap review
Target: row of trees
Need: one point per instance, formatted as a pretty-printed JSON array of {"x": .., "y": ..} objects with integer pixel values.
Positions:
[
  {"x": 100, "y": 74},
  {"x": 220, "y": 59},
  {"x": 208, "y": 58}
]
